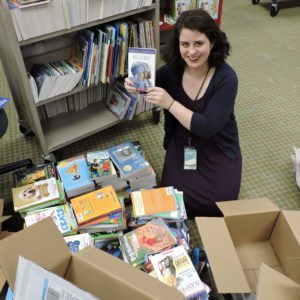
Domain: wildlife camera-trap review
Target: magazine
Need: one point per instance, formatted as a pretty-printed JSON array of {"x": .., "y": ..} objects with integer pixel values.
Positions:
[{"x": 142, "y": 67}]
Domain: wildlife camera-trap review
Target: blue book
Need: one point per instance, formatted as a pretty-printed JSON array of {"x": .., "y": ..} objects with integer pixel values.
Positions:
[
  {"x": 3, "y": 101},
  {"x": 128, "y": 160},
  {"x": 74, "y": 174}
]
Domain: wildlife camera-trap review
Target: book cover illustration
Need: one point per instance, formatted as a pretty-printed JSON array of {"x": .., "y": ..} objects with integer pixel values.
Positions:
[
  {"x": 174, "y": 267},
  {"x": 100, "y": 164},
  {"x": 95, "y": 204},
  {"x": 211, "y": 6},
  {"x": 149, "y": 238},
  {"x": 127, "y": 158},
  {"x": 74, "y": 173},
  {"x": 142, "y": 67},
  {"x": 77, "y": 242},
  {"x": 118, "y": 102},
  {"x": 35, "y": 193},
  {"x": 62, "y": 215},
  {"x": 153, "y": 201},
  {"x": 36, "y": 173}
]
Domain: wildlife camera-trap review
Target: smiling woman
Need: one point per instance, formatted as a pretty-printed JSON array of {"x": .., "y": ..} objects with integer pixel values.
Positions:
[{"x": 197, "y": 90}]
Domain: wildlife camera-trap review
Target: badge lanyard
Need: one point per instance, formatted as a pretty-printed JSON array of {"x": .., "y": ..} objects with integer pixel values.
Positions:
[{"x": 190, "y": 152}]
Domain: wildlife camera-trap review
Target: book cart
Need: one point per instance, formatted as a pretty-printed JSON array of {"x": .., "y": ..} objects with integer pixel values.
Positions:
[
  {"x": 66, "y": 128},
  {"x": 274, "y": 8}
]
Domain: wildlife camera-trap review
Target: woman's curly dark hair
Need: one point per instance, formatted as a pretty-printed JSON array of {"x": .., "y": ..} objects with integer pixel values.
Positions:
[{"x": 198, "y": 20}]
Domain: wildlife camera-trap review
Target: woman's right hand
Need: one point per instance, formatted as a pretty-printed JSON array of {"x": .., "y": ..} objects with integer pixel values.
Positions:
[{"x": 129, "y": 85}]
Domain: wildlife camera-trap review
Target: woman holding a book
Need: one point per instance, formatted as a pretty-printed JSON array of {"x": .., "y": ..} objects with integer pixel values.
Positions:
[{"x": 197, "y": 90}]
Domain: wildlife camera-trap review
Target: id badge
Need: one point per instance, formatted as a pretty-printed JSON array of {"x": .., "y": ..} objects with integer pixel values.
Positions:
[{"x": 190, "y": 158}]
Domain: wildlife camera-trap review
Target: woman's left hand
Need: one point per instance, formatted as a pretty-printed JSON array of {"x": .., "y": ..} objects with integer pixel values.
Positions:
[{"x": 158, "y": 96}]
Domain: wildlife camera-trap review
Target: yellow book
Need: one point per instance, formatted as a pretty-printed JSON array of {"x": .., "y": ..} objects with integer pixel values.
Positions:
[{"x": 93, "y": 205}]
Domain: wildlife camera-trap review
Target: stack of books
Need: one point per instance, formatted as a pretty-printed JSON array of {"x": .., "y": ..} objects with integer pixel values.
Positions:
[
  {"x": 150, "y": 238},
  {"x": 99, "y": 211},
  {"x": 37, "y": 195},
  {"x": 62, "y": 215},
  {"x": 74, "y": 174}
]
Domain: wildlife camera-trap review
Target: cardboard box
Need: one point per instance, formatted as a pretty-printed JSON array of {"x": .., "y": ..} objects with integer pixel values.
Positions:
[
  {"x": 275, "y": 286},
  {"x": 251, "y": 232},
  {"x": 90, "y": 269}
]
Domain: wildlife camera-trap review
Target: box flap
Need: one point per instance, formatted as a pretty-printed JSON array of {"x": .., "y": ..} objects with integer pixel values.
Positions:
[
  {"x": 2, "y": 280},
  {"x": 41, "y": 243},
  {"x": 273, "y": 285},
  {"x": 286, "y": 244},
  {"x": 224, "y": 262},
  {"x": 94, "y": 270},
  {"x": 248, "y": 206}
]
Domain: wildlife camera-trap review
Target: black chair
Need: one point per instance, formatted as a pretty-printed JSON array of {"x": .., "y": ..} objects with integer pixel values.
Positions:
[{"x": 12, "y": 166}]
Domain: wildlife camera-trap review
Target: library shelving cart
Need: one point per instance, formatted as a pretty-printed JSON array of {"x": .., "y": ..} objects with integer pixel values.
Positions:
[
  {"x": 274, "y": 8},
  {"x": 18, "y": 54}
]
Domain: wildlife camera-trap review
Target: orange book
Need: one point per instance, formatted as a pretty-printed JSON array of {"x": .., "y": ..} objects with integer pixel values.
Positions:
[
  {"x": 153, "y": 201},
  {"x": 95, "y": 204}
]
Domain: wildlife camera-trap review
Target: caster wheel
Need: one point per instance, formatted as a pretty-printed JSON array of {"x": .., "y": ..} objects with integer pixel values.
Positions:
[
  {"x": 26, "y": 131},
  {"x": 274, "y": 11},
  {"x": 255, "y": 1}
]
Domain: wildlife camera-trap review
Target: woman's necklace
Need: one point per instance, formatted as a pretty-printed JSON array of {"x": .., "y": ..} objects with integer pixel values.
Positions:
[{"x": 201, "y": 85}]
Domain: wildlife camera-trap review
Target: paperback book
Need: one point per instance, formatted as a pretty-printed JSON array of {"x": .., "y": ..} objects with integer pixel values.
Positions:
[
  {"x": 35, "y": 194},
  {"x": 62, "y": 215},
  {"x": 74, "y": 174},
  {"x": 36, "y": 173},
  {"x": 96, "y": 204},
  {"x": 175, "y": 268},
  {"x": 150, "y": 238},
  {"x": 77, "y": 242},
  {"x": 142, "y": 67},
  {"x": 128, "y": 160}
]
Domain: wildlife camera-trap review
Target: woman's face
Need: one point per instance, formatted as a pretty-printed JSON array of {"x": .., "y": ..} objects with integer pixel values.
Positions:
[{"x": 194, "y": 47}]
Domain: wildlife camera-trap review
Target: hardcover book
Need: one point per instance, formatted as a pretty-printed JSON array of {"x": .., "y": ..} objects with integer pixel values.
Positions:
[
  {"x": 142, "y": 67},
  {"x": 62, "y": 215},
  {"x": 34, "y": 194},
  {"x": 96, "y": 204},
  {"x": 36, "y": 173},
  {"x": 152, "y": 237},
  {"x": 175, "y": 268}
]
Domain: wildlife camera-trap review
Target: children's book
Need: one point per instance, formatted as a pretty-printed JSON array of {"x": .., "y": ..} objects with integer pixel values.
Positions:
[
  {"x": 153, "y": 201},
  {"x": 74, "y": 174},
  {"x": 77, "y": 242},
  {"x": 36, "y": 173},
  {"x": 34, "y": 194},
  {"x": 211, "y": 6},
  {"x": 175, "y": 268},
  {"x": 118, "y": 102},
  {"x": 101, "y": 167},
  {"x": 128, "y": 160},
  {"x": 93, "y": 205},
  {"x": 62, "y": 215},
  {"x": 142, "y": 67},
  {"x": 152, "y": 237}
]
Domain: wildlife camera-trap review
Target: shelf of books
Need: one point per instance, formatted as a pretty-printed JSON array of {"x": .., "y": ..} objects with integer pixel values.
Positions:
[
  {"x": 171, "y": 9},
  {"x": 62, "y": 58}
]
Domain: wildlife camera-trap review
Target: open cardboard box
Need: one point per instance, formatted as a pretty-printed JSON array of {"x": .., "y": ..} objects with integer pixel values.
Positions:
[
  {"x": 90, "y": 269},
  {"x": 251, "y": 232},
  {"x": 2, "y": 235}
]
